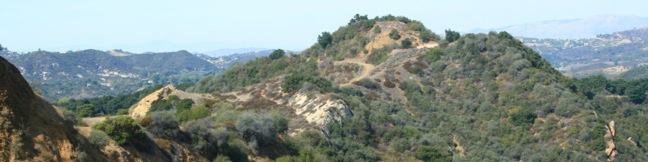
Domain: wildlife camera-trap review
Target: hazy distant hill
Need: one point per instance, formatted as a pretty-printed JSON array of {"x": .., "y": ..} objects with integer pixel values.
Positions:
[
  {"x": 230, "y": 59},
  {"x": 92, "y": 73},
  {"x": 229, "y": 51},
  {"x": 574, "y": 28},
  {"x": 608, "y": 54}
]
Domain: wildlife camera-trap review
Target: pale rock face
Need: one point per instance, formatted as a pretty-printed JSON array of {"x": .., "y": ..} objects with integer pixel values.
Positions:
[
  {"x": 611, "y": 150},
  {"x": 319, "y": 109}
]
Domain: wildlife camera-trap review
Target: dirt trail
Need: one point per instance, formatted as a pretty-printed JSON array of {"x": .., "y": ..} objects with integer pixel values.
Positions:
[{"x": 364, "y": 73}]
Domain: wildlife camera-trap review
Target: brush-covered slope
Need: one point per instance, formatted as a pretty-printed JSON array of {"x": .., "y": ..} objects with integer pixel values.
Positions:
[
  {"x": 389, "y": 89},
  {"x": 31, "y": 129}
]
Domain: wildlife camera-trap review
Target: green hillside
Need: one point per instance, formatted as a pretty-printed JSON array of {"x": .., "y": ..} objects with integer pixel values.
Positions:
[{"x": 482, "y": 97}]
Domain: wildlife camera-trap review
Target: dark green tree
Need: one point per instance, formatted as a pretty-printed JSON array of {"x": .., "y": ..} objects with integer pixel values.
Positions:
[
  {"x": 277, "y": 54},
  {"x": 325, "y": 39},
  {"x": 637, "y": 94},
  {"x": 358, "y": 18},
  {"x": 451, "y": 36}
]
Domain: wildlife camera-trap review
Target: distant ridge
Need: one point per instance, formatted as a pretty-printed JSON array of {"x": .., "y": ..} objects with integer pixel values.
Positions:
[
  {"x": 574, "y": 28},
  {"x": 229, "y": 51}
]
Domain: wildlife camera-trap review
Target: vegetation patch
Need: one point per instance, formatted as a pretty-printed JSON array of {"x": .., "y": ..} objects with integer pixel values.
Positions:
[
  {"x": 124, "y": 130},
  {"x": 378, "y": 56},
  {"x": 107, "y": 105}
]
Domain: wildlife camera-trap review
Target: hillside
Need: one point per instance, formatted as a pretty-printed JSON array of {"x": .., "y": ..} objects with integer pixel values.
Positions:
[
  {"x": 31, "y": 129},
  {"x": 389, "y": 89},
  {"x": 93, "y": 73},
  {"x": 607, "y": 54}
]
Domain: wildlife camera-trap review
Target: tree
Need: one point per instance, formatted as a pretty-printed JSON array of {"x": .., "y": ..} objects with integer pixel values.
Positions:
[
  {"x": 277, "y": 54},
  {"x": 637, "y": 94},
  {"x": 358, "y": 18},
  {"x": 85, "y": 110},
  {"x": 325, "y": 39},
  {"x": 452, "y": 36},
  {"x": 394, "y": 34}
]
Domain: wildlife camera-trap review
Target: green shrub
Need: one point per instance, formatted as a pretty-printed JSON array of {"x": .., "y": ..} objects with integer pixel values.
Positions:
[
  {"x": 394, "y": 34},
  {"x": 164, "y": 124},
  {"x": 70, "y": 117},
  {"x": 406, "y": 43},
  {"x": 434, "y": 54},
  {"x": 85, "y": 110},
  {"x": 378, "y": 56},
  {"x": 161, "y": 105},
  {"x": 377, "y": 30},
  {"x": 261, "y": 130},
  {"x": 295, "y": 81},
  {"x": 98, "y": 138},
  {"x": 427, "y": 35},
  {"x": 433, "y": 154},
  {"x": 520, "y": 117},
  {"x": 196, "y": 112},
  {"x": 123, "y": 129}
]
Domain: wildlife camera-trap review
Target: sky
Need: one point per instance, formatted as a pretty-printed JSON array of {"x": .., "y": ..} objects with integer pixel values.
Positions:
[{"x": 206, "y": 25}]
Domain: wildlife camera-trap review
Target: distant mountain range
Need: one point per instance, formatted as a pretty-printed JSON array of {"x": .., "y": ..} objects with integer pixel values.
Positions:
[
  {"x": 229, "y": 51},
  {"x": 574, "y": 28},
  {"x": 92, "y": 73},
  {"x": 228, "y": 60},
  {"x": 608, "y": 54}
]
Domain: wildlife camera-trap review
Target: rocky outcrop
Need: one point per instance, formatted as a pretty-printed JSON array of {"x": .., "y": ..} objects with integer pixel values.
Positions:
[
  {"x": 31, "y": 129},
  {"x": 610, "y": 151},
  {"x": 319, "y": 109}
]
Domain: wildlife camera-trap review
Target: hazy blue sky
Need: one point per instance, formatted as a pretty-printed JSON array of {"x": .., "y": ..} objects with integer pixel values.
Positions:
[{"x": 204, "y": 25}]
